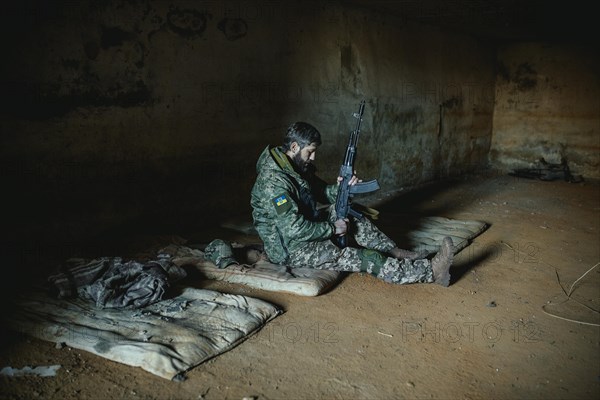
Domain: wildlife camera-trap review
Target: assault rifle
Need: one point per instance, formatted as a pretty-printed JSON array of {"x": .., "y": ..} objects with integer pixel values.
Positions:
[{"x": 343, "y": 206}]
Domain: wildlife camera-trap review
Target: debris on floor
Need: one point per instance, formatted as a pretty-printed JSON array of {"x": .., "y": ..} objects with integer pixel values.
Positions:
[
  {"x": 43, "y": 371},
  {"x": 546, "y": 171}
]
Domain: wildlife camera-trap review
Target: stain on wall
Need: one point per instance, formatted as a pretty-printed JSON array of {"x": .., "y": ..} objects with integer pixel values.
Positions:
[
  {"x": 233, "y": 28},
  {"x": 187, "y": 23},
  {"x": 350, "y": 69},
  {"x": 525, "y": 77},
  {"x": 114, "y": 37}
]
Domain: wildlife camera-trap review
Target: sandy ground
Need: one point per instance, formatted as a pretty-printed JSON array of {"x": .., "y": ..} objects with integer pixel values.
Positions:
[{"x": 488, "y": 335}]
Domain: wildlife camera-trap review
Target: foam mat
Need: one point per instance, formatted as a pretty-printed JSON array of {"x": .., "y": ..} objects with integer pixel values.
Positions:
[
  {"x": 166, "y": 338},
  {"x": 426, "y": 235},
  {"x": 429, "y": 231},
  {"x": 260, "y": 275}
]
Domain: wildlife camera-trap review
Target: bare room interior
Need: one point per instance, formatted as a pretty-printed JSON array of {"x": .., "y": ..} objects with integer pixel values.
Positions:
[{"x": 131, "y": 131}]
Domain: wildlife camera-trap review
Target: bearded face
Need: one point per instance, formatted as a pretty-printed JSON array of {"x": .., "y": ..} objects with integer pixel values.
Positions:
[
  {"x": 304, "y": 158},
  {"x": 300, "y": 164}
]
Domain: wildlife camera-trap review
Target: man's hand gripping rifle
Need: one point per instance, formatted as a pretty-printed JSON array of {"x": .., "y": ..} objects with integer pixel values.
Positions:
[{"x": 343, "y": 207}]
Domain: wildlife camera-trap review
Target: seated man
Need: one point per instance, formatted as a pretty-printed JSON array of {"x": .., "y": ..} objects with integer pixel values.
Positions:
[{"x": 295, "y": 233}]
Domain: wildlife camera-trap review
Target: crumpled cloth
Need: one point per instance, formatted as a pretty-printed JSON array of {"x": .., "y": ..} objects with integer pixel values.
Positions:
[{"x": 111, "y": 283}]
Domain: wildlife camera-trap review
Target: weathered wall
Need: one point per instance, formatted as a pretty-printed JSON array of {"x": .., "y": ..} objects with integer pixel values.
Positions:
[
  {"x": 548, "y": 105},
  {"x": 413, "y": 78},
  {"x": 152, "y": 112}
]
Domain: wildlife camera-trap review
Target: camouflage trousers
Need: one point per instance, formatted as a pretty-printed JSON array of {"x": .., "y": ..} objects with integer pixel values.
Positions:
[{"x": 370, "y": 258}]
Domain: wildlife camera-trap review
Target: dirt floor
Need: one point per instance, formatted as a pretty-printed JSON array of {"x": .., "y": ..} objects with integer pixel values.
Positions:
[{"x": 491, "y": 334}]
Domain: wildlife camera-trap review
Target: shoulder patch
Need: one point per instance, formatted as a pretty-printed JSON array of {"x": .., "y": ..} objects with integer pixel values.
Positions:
[{"x": 282, "y": 203}]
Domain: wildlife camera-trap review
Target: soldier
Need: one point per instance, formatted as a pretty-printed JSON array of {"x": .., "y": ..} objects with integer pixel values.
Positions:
[{"x": 296, "y": 233}]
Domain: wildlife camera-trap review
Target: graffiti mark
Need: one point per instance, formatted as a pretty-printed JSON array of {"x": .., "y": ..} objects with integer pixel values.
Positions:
[
  {"x": 233, "y": 28},
  {"x": 187, "y": 23}
]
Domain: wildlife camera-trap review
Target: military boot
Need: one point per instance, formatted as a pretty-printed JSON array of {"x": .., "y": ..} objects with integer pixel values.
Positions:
[{"x": 442, "y": 261}]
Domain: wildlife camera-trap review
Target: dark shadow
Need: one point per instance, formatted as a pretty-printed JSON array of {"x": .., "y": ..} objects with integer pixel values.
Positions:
[
  {"x": 10, "y": 339},
  {"x": 343, "y": 276},
  {"x": 404, "y": 213},
  {"x": 458, "y": 271}
]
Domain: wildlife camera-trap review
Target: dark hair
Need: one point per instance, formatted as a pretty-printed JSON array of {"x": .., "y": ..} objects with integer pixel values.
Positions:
[{"x": 302, "y": 133}]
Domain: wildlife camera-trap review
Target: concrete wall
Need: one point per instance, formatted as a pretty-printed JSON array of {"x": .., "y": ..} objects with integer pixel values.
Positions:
[
  {"x": 548, "y": 105},
  {"x": 152, "y": 113}
]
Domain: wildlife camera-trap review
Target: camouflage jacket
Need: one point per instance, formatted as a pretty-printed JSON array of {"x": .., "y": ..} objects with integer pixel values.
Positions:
[{"x": 284, "y": 205}]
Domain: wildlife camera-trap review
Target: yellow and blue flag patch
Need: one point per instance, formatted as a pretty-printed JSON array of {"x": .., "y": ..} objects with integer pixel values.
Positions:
[{"x": 282, "y": 203}]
